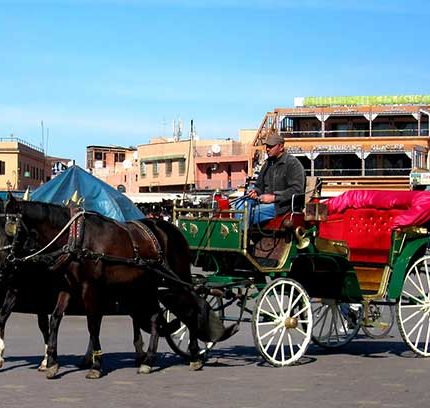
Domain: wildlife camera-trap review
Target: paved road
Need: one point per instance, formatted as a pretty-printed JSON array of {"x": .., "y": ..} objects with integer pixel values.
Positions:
[{"x": 367, "y": 373}]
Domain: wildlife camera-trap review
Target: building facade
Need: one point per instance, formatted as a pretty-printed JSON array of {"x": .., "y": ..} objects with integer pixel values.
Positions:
[
  {"x": 350, "y": 141},
  {"x": 22, "y": 165},
  {"x": 168, "y": 165}
]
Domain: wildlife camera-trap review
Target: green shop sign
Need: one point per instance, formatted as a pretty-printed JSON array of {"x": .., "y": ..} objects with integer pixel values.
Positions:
[{"x": 367, "y": 100}]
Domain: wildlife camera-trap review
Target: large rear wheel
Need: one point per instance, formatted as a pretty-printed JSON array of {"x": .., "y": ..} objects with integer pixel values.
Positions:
[
  {"x": 335, "y": 323},
  {"x": 282, "y": 322},
  {"x": 413, "y": 309}
]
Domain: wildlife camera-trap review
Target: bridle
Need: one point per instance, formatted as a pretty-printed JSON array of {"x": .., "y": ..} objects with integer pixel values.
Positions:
[{"x": 14, "y": 224}]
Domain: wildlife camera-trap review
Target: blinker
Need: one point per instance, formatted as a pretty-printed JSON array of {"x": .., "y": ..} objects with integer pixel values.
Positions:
[{"x": 10, "y": 228}]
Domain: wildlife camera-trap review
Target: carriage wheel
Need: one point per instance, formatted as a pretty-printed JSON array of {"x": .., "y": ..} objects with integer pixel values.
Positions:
[
  {"x": 335, "y": 323},
  {"x": 282, "y": 322},
  {"x": 378, "y": 321},
  {"x": 180, "y": 338},
  {"x": 413, "y": 309}
]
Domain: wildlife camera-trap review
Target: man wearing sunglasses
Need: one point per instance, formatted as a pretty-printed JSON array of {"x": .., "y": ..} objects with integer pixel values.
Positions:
[{"x": 281, "y": 176}]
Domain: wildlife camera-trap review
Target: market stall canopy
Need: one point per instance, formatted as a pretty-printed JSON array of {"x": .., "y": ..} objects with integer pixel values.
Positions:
[{"x": 96, "y": 194}]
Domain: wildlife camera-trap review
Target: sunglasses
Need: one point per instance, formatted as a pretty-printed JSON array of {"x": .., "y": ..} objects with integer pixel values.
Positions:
[{"x": 270, "y": 146}]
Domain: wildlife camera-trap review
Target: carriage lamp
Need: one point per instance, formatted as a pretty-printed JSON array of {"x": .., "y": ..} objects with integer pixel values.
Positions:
[{"x": 316, "y": 210}]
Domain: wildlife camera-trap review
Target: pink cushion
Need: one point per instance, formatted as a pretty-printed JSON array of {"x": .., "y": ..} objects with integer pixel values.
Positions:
[{"x": 415, "y": 205}]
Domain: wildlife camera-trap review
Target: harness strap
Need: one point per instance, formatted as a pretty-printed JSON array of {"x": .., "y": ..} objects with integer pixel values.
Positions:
[{"x": 146, "y": 231}]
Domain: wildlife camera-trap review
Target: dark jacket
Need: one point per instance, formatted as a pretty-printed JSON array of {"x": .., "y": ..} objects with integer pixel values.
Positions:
[{"x": 283, "y": 177}]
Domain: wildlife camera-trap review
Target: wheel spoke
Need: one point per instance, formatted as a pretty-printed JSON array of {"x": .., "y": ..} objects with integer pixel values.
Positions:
[
  {"x": 419, "y": 322},
  {"x": 420, "y": 301},
  {"x": 419, "y": 288},
  {"x": 412, "y": 315},
  {"x": 278, "y": 344},
  {"x": 270, "y": 332}
]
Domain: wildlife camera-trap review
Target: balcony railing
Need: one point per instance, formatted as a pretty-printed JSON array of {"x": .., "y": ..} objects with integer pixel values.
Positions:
[
  {"x": 371, "y": 172},
  {"x": 356, "y": 133},
  {"x": 224, "y": 150},
  {"x": 209, "y": 185},
  {"x": 18, "y": 140}
]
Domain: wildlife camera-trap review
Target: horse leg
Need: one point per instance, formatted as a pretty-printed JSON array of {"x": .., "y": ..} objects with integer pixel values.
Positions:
[
  {"x": 43, "y": 323},
  {"x": 92, "y": 304},
  {"x": 87, "y": 358},
  {"x": 94, "y": 323},
  {"x": 148, "y": 361},
  {"x": 5, "y": 312},
  {"x": 54, "y": 325},
  {"x": 138, "y": 342},
  {"x": 196, "y": 359}
]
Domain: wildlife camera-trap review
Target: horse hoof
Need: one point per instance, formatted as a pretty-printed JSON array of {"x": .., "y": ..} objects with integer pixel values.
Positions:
[
  {"x": 42, "y": 368},
  {"x": 51, "y": 372},
  {"x": 196, "y": 365},
  {"x": 1, "y": 363},
  {"x": 144, "y": 369},
  {"x": 93, "y": 374}
]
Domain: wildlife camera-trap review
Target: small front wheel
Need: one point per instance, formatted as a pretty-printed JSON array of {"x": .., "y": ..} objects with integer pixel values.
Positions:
[
  {"x": 335, "y": 323},
  {"x": 282, "y": 322},
  {"x": 179, "y": 339},
  {"x": 378, "y": 320}
]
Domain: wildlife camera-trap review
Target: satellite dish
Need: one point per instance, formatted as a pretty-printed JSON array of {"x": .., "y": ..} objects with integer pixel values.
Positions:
[
  {"x": 216, "y": 148},
  {"x": 127, "y": 164},
  {"x": 135, "y": 155},
  {"x": 98, "y": 164}
]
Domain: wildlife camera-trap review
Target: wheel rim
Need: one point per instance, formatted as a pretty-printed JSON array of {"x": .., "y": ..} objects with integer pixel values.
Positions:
[
  {"x": 335, "y": 324},
  {"x": 413, "y": 309},
  {"x": 282, "y": 322}
]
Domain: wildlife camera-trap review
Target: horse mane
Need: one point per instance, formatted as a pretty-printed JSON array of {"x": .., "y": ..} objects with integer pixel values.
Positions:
[{"x": 54, "y": 214}]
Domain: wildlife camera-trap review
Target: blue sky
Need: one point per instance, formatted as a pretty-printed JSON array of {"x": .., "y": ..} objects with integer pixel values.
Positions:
[{"x": 121, "y": 71}]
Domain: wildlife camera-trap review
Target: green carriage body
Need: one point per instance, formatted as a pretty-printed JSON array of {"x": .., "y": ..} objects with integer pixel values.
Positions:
[
  {"x": 220, "y": 243},
  {"x": 314, "y": 267}
]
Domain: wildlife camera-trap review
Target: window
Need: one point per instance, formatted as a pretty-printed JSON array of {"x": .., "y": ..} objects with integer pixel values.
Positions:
[
  {"x": 209, "y": 173},
  {"x": 2, "y": 167},
  {"x": 168, "y": 167},
  {"x": 155, "y": 168},
  {"x": 119, "y": 157},
  {"x": 181, "y": 167},
  {"x": 142, "y": 168}
]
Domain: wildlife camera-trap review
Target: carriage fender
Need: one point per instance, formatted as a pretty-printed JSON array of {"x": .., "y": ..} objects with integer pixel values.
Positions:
[
  {"x": 410, "y": 253},
  {"x": 314, "y": 262}
]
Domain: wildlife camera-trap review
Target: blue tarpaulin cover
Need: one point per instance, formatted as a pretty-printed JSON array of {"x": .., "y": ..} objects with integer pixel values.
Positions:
[{"x": 97, "y": 195}]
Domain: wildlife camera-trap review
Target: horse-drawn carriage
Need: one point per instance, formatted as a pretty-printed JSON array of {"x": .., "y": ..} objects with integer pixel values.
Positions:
[{"x": 321, "y": 274}]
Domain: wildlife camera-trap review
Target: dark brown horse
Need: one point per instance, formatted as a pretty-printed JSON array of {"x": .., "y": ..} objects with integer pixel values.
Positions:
[
  {"x": 99, "y": 259},
  {"x": 37, "y": 294}
]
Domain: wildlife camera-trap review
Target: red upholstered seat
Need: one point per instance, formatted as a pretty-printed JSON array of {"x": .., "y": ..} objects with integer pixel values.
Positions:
[
  {"x": 366, "y": 230},
  {"x": 365, "y": 220}
]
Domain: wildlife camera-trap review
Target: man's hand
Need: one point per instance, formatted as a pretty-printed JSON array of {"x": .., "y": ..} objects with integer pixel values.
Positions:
[
  {"x": 267, "y": 198},
  {"x": 253, "y": 194}
]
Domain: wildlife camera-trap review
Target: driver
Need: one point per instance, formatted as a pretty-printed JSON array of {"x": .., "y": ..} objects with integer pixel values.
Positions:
[{"x": 281, "y": 176}]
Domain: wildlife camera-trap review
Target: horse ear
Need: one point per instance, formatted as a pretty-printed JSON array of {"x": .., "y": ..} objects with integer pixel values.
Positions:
[{"x": 11, "y": 202}]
